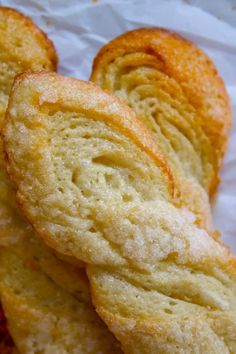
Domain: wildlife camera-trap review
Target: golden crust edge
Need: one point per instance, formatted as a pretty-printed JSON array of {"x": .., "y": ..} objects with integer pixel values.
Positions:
[
  {"x": 122, "y": 42},
  {"x": 43, "y": 38}
]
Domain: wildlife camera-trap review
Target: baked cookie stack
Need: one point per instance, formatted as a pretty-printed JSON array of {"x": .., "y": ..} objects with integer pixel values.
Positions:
[{"x": 116, "y": 189}]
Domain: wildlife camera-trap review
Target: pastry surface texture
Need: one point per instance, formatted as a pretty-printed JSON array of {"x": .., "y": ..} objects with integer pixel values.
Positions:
[
  {"x": 98, "y": 188},
  {"x": 175, "y": 90},
  {"x": 23, "y": 47},
  {"x": 46, "y": 301}
]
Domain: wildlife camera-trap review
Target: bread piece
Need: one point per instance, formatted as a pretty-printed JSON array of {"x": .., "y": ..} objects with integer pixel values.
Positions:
[
  {"x": 175, "y": 90},
  {"x": 46, "y": 301},
  {"x": 98, "y": 188},
  {"x": 23, "y": 47},
  {"x": 34, "y": 284},
  {"x": 40, "y": 279},
  {"x": 16, "y": 233},
  {"x": 85, "y": 116}
]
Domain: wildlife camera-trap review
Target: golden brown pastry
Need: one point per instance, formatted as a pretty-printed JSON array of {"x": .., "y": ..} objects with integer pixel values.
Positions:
[
  {"x": 99, "y": 189},
  {"x": 23, "y": 47},
  {"x": 46, "y": 301},
  {"x": 175, "y": 90}
]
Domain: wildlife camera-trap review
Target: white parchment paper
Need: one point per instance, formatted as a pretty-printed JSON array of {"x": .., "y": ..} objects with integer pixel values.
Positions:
[{"x": 80, "y": 27}]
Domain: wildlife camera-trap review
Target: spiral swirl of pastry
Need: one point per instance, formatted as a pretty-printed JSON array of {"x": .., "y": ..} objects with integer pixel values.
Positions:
[
  {"x": 175, "y": 90},
  {"x": 94, "y": 184}
]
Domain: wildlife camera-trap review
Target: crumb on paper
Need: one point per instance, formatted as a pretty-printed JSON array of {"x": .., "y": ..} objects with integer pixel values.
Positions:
[{"x": 48, "y": 22}]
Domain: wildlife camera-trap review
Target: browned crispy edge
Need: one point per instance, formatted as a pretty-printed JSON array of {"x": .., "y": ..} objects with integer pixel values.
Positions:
[
  {"x": 144, "y": 40},
  {"x": 43, "y": 38}
]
